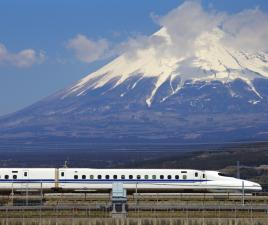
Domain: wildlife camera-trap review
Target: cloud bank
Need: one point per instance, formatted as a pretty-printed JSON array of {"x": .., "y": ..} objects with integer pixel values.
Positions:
[
  {"x": 185, "y": 26},
  {"x": 24, "y": 58},
  {"x": 88, "y": 50},
  {"x": 188, "y": 23},
  {"x": 247, "y": 30}
]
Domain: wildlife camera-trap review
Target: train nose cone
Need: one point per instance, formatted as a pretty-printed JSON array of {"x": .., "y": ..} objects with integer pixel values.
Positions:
[
  {"x": 252, "y": 186},
  {"x": 256, "y": 186}
]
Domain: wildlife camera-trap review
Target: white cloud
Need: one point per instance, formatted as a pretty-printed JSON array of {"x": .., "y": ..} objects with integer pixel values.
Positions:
[
  {"x": 27, "y": 57},
  {"x": 134, "y": 44},
  {"x": 88, "y": 50},
  {"x": 246, "y": 30},
  {"x": 184, "y": 25},
  {"x": 3, "y": 52},
  {"x": 24, "y": 58}
]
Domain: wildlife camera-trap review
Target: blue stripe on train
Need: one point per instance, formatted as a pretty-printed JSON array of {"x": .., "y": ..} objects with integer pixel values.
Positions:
[
  {"x": 97, "y": 180},
  {"x": 127, "y": 180}
]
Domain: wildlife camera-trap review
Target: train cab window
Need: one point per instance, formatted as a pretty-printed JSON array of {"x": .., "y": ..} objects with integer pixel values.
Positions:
[
  {"x": 161, "y": 177},
  {"x": 83, "y": 177},
  {"x": 196, "y": 174},
  {"x": 177, "y": 177},
  {"x": 91, "y": 177},
  {"x": 222, "y": 174},
  {"x": 146, "y": 177},
  {"x": 184, "y": 177},
  {"x": 14, "y": 177},
  {"x": 6, "y": 177},
  {"x": 99, "y": 177},
  {"x": 123, "y": 177},
  {"x": 169, "y": 177},
  {"x": 154, "y": 177},
  {"x": 75, "y": 177},
  {"x": 25, "y": 174},
  {"x": 62, "y": 174},
  {"x": 138, "y": 177},
  {"x": 115, "y": 177},
  {"x": 130, "y": 177},
  {"x": 107, "y": 177}
]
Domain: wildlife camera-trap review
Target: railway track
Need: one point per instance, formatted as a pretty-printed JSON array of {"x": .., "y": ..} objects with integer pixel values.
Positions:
[
  {"x": 140, "y": 207},
  {"x": 89, "y": 195},
  {"x": 145, "y": 205},
  {"x": 141, "y": 198}
]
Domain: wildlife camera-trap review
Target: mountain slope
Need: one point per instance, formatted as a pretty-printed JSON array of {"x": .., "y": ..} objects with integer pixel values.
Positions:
[
  {"x": 151, "y": 94},
  {"x": 211, "y": 62}
]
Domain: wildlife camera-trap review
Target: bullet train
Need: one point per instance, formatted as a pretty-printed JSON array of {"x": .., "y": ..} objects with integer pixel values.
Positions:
[{"x": 73, "y": 179}]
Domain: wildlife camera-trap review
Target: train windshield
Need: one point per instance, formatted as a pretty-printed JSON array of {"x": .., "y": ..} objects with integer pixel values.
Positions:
[{"x": 222, "y": 174}]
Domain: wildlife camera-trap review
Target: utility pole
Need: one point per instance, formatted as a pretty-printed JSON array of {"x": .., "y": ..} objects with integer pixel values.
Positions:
[
  {"x": 243, "y": 193},
  {"x": 27, "y": 202},
  {"x": 136, "y": 194},
  {"x": 41, "y": 193},
  {"x": 12, "y": 195}
]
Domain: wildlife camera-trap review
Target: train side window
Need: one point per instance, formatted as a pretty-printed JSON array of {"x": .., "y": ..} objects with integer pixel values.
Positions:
[
  {"x": 91, "y": 177},
  {"x": 154, "y": 177},
  {"x": 161, "y": 177},
  {"x": 75, "y": 177},
  {"x": 6, "y": 177},
  {"x": 123, "y": 177},
  {"x": 177, "y": 177},
  {"x": 184, "y": 177},
  {"x": 130, "y": 177},
  {"x": 138, "y": 177},
  {"x": 83, "y": 177},
  {"x": 196, "y": 174},
  {"x": 14, "y": 177},
  {"x": 204, "y": 176},
  {"x": 62, "y": 174},
  {"x": 107, "y": 177},
  {"x": 115, "y": 177},
  {"x": 169, "y": 177},
  {"x": 99, "y": 177},
  {"x": 25, "y": 174},
  {"x": 146, "y": 177}
]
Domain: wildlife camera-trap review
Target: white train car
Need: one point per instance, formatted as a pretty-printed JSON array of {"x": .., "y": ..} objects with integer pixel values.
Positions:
[{"x": 69, "y": 179}]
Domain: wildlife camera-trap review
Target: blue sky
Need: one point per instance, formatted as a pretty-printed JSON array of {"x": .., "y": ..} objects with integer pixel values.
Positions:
[{"x": 38, "y": 56}]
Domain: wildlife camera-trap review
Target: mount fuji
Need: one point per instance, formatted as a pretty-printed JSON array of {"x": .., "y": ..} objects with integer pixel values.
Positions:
[{"x": 215, "y": 94}]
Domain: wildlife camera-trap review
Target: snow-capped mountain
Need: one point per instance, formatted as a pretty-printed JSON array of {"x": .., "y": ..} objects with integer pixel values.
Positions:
[
  {"x": 212, "y": 62},
  {"x": 215, "y": 93}
]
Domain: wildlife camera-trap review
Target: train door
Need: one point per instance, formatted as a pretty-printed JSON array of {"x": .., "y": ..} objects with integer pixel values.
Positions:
[
  {"x": 197, "y": 176},
  {"x": 62, "y": 177},
  {"x": 25, "y": 180},
  {"x": 203, "y": 178}
]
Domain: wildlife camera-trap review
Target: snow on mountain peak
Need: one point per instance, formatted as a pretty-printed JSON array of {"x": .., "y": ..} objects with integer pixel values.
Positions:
[{"x": 211, "y": 60}]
